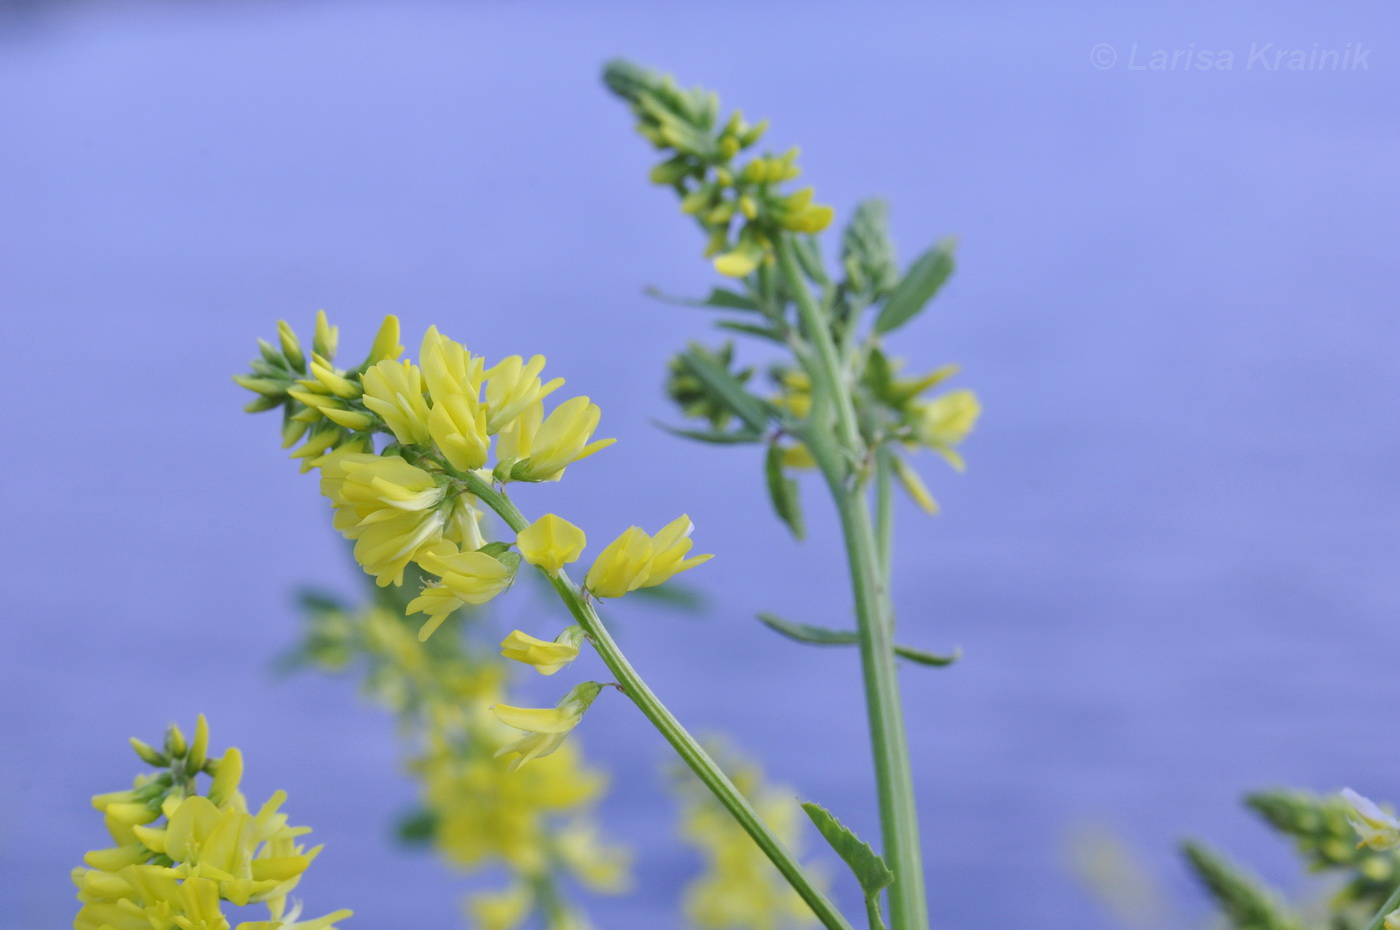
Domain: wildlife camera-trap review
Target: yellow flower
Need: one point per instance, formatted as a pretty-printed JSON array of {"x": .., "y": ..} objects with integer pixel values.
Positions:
[
  {"x": 227, "y": 777},
  {"x": 488, "y": 811},
  {"x": 464, "y": 523},
  {"x": 914, "y": 485},
  {"x": 668, "y": 550},
  {"x": 470, "y": 577},
  {"x": 599, "y": 865},
  {"x": 796, "y": 394},
  {"x": 798, "y": 456},
  {"x": 390, "y": 508},
  {"x": 394, "y": 390},
  {"x": 546, "y": 657},
  {"x": 637, "y": 560},
  {"x": 545, "y": 727},
  {"x": 551, "y": 542},
  {"x": 622, "y": 566},
  {"x": 386, "y": 342},
  {"x": 945, "y": 421},
  {"x": 500, "y": 910},
  {"x": 739, "y": 263},
  {"x": 511, "y": 386},
  {"x": 448, "y": 368},
  {"x": 560, "y": 440},
  {"x": 457, "y": 424},
  {"x": 290, "y": 920},
  {"x": 1377, "y": 829},
  {"x": 516, "y": 439}
]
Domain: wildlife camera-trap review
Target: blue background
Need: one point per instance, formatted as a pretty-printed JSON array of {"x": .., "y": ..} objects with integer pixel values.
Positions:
[{"x": 1172, "y": 562}]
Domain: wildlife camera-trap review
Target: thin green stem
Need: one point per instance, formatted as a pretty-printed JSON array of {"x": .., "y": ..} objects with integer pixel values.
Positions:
[
  {"x": 1391, "y": 903},
  {"x": 685, "y": 745},
  {"x": 834, "y": 453},
  {"x": 884, "y": 516},
  {"x": 829, "y": 373}
]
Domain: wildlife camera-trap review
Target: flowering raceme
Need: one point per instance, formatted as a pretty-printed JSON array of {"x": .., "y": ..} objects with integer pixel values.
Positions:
[
  {"x": 405, "y": 454},
  {"x": 209, "y": 850}
]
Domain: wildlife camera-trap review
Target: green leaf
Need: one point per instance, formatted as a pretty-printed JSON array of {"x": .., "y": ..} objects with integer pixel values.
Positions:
[
  {"x": 719, "y": 298},
  {"x": 751, "y": 329},
  {"x": 727, "y": 389},
  {"x": 870, "y": 870},
  {"x": 807, "y": 633},
  {"x": 713, "y": 436},
  {"x": 825, "y": 636},
  {"x": 921, "y": 657},
  {"x": 920, "y": 283},
  {"x": 782, "y": 491}
]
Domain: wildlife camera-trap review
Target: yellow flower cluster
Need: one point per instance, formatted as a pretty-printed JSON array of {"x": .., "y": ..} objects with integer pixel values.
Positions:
[
  {"x": 409, "y": 503},
  {"x": 701, "y": 167},
  {"x": 179, "y": 855},
  {"x": 738, "y": 888},
  {"x": 417, "y": 501},
  {"x": 537, "y": 823}
]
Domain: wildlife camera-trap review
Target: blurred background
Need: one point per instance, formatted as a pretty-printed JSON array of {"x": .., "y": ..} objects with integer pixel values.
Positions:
[{"x": 1172, "y": 560}]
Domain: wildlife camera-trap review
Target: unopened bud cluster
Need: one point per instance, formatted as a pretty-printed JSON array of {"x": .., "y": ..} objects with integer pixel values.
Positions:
[{"x": 742, "y": 207}]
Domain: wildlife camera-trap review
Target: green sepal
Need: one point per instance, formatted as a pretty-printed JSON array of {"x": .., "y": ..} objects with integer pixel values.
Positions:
[
  {"x": 727, "y": 389},
  {"x": 495, "y": 549},
  {"x": 919, "y": 285},
  {"x": 719, "y": 298},
  {"x": 825, "y": 636},
  {"x": 718, "y": 437},
  {"x": 782, "y": 491},
  {"x": 870, "y": 870}
]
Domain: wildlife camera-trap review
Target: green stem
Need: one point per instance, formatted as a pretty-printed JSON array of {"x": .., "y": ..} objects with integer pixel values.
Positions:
[
  {"x": 1391, "y": 903},
  {"x": 884, "y": 517},
  {"x": 875, "y": 619},
  {"x": 685, "y": 745}
]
